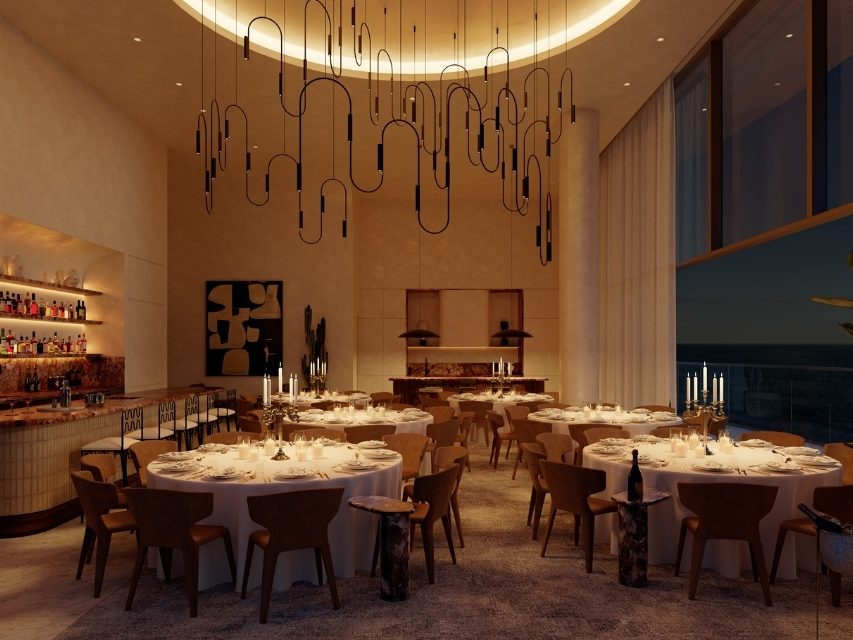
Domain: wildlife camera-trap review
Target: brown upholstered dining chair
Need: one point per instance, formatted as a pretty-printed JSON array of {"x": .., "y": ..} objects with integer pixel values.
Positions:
[
  {"x": 440, "y": 434},
  {"x": 326, "y": 405},
  {"x": 321, "y": 432},
  {"x": 440, "y": 413},
  {"x": 411, "y": 446},
  {"x": 102, "y": 466},
  {"x": 526, "y": 432},
  {"x": 145, "y": 452},
  {"x": 383, "y": 397},
  {"x": 431, "y": 495},
  {"x": 559, "y": 447},
  {"x": 292, "y": 520},
  {"x": 779, "y": 438},
  {"x": 576, "y": 430},
  {"x": 500, "y": 434},
  {"x": 167, "y": 520},
  {"x": 844, "y": 455},
  {"x": 516, "y": 412},
  {"x": 465, "y": 418},
  {"x": 97, "y": 500},
  {"x": 248, "y": 423},
  {"x": 667, "y": 432},
  {"x": 727, "y": 510},
  {"x": 531, "y": 405},
  {"x": 427, "y": 402},
  {"x": 479, "y": 407},
  {"x": 444, "y": 457},
  {"x": 533, "y": 455},
  {"x": 552, "y": 405},
  {"x": 362, "y": 432},
  {"x": 834, "y": 501},
  {"x": 232, "y": 437},
  {"x": 572, "y": 490},
  {"x": 596, "y": 434}
]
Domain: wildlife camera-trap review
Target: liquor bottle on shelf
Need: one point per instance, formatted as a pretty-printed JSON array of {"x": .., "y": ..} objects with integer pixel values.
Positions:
[
  {"x": 83, "y": 310},
  {"x": 22, "y": 345},
  {"x": 27, "y": 302},
  {"x": 39, "y": 345},
  {"x": 7, "y": 304},
  {"x": 11, "y": 342},
  {"x": 635, "y": 480},
  {"x": 84, "y": 345},
  {"x": 20, "y": 309},
  {"x": 54, "y": 310},
  {"x": 37, "y": 381},
  {"x": 34, "y": 306}
]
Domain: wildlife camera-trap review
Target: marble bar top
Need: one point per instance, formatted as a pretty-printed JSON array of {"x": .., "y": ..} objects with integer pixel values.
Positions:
[
  {"x": 508, "y": 380},
  {"x": 23, "y": 417}
]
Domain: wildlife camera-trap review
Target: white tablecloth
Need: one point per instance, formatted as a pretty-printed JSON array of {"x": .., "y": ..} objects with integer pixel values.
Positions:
[
  {"x": 406, "y": 422},
  {"x": 634, "y": 424},
  {"x": 728, "y": 558},
  {"x": 304, "y": 398},
  {"x": 499, "y": 403},
  {"x": 351, "y": 532}
]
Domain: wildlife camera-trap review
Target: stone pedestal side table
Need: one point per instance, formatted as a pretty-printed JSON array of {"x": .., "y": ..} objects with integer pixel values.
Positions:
[
  {"x": 634, "y": 535},
  {"x": 393, "y": 543}
]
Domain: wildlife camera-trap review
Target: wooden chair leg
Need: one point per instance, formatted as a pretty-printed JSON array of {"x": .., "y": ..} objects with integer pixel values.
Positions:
[
  {"x": 537, "y": 514},
  {"x": 696, "y": 558},
  {"x": 246, "y": 568},
  {"x": 166, "y": 561},
  {"x": 429, "y": 551},
  {"x": 517, "y": 460},
  {"x": 330, "y": 575},
  {"x": 375, "y": 553},
  {"x": 448, "y": 533},
  {"x": 229, "y": 553},
  {"x": 191, "y": 569},
  {"x": 588, "y": 524},
  {"x": 681, "y": 535},
  {"x": 103, "y": 549},
  {"x": 758, "y": 554},
  {"x": 548, "y": 532},
  {"x": 777, "y": 553},
  {"x": 270, "y": 560},
  {"x": 577, "y": 522},
  {"x": 89, "y": 536},
  {"x": 835, "y": 588},
  {"x": 532, "y": 506},
  {"x": 141, "y": 552},
  {"x": 508, "y": 447},
  {"x": 454, "y": 505},
  {"x": 318, "y": 561}
]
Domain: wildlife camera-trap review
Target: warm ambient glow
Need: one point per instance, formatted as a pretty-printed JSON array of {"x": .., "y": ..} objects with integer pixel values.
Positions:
[{"x": 268, "y": 43}]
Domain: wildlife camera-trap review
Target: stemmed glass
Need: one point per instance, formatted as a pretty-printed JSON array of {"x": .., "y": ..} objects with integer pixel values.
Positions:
[{"x": 12, "y": 402}]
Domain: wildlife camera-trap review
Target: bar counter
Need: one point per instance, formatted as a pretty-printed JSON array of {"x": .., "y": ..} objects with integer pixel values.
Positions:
[
  {"x": 407, "y": 388},
  {"x": 38, "y": 450}
]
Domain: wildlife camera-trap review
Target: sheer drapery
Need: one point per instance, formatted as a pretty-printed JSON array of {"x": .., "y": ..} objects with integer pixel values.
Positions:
[
  {"x": 691, "y": 157},
  {"x": 637, "y": 336}
]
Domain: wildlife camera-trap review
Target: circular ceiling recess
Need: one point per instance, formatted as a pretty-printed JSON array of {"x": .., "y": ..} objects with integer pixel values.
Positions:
[{"x": 418, "y": 38}]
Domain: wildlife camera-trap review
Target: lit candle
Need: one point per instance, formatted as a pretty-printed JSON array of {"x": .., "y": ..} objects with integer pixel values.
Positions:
[
  {"x": 501, "y": 367},
  {"x": 704, "y": 378},
  {"x": 494, "y": 368},
  {"x": 721, "y": 387},
  {"x": 695, "y": 388},
  {"x": 714, "y": 389},
  {"x": 687, "y": 393},
  {"x": 280, "y": 378},
  {"x": 508, "y": 369}
]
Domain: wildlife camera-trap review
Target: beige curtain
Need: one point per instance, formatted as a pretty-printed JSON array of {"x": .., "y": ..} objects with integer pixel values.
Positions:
[{"x": 637, "y": 321}]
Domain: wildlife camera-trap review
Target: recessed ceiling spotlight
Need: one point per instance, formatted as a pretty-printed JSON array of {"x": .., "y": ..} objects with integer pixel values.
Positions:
[
  {"x": 179, "y": 84},
  {"x": 627, "y": 84},
  {"x": 777, "y": 84},
  {"x": 704, "y": 108},
  {"x": 660, "y": 39},
  {"x": 254, "y": 146},
  {"x": 789, "y": 35},
  {"x": 137, "y": 39}
]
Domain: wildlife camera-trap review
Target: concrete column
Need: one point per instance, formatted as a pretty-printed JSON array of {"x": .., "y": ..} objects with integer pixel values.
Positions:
[{"x": 578, "y": 250}]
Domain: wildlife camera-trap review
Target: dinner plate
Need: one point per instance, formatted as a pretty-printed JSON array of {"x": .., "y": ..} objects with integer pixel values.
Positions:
[
  {"x": 801, "y": 451},
  {"x": 371, "y": 444},
  {"x": 607, "y": 450},
  {"x": 174, "y": 456},
  {"x": 213, "y": 447},
  {"x": 647, "y": 437},
  {"x": 643, "y": 459},
  {"x": 755, "y": 443},
  {"x": 639, "y": 417},
  {"x": 182, "y": 466},
  {"x": 641, "y": 411},
  {"x": 374, "y": 420},
  {"x": 294, "y": 474},
  {"x": 334, "y": 421},
  {"x": 779, "y": 467},
  {"x": 615, "y": 441},
  {"x": 664, "y": 415},
  {"x": 229, "y": 473},
  {"x": 380, "y": 454},
  {"x": 573, "y": 408},
  {"x": 358, "y": 465},
  {"x": 817, "y": 461},
  {"x": 712, "y": 466},
  {"x": 608, "y": 408}
]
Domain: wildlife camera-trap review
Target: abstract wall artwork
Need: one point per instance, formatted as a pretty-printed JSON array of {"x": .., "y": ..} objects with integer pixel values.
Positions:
[{"x": 244, "y": 327}]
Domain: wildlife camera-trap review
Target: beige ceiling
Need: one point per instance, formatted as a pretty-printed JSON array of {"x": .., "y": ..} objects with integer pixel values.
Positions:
[{"x": 94, "y": 38}]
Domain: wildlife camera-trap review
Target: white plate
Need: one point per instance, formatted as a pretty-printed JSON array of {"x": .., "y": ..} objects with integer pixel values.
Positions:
[
  {"x": 648, "y": 437},
  {"x": 607, "y": 450},
  {"x": 643, "y": 459},
  {"x": 756, "y": 443},
  {"x": 226, "y": 474},
  {"x": 182, "y": 466},
  {"x": 294, "y": 474},
  {"x": 353, "y": 465},
  {"x": 641, "y": 411},
  {"x": 817, "y": 461},
  {"x": 779, "y": 467},
  {"x": 174, "y": 456},
  {"x": 801, "y": 451},
  {"x": 616, "y": 441},
  {"x": 711, "y": 465},
  {"x": 380, "y": 454},
  {"x": 371, "y": 444},
  {"x": 664, "y": 415},
  {"x": 213, "y": 447},
  {"x": 573, "y": 408}
]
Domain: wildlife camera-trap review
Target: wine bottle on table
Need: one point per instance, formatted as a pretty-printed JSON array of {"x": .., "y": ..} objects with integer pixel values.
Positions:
[
  {"x": 635, "y": 480},
  {"x": 822, "y": 522}
]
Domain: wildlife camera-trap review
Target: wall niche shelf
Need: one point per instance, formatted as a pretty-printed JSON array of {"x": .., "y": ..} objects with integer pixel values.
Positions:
[
  {"x": 45, "y": 356},
  {"x": 53, "y": 321},
  {"x": 47, "y": 286}
]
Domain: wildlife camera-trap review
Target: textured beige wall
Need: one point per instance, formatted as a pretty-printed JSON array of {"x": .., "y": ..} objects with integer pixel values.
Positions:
[
  {"x": 73, "y": 163},
  {"x": 242, "y": 242}
]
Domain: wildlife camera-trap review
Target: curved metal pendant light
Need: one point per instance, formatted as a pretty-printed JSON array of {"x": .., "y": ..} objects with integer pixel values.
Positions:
[
  {"x": 512, "y": 333},
  {"x": 419, "y": 333}
]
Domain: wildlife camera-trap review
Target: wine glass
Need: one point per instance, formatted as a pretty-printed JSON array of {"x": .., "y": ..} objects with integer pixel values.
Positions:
[{"x": 12, "y": 402}]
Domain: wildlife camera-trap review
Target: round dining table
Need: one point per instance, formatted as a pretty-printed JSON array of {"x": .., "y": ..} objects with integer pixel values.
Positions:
[
  {"x": 633, "y": 423},
  {"x": 351, "y": 532},
  {"x": 406, "y": 421},
  {"x": 500, "y": 401},
  {"x": 663, "y": 470}
]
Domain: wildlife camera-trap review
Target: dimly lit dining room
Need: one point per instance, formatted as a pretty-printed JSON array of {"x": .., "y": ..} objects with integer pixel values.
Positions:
[{"x": 426, "y": 319}]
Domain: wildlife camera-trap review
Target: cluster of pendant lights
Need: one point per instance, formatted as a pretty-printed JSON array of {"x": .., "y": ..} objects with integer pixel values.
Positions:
[{"x": 511, "y": 132}]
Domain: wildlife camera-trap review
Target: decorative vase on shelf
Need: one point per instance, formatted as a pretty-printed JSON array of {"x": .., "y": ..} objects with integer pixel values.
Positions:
[{"x": 72, "y": 279}]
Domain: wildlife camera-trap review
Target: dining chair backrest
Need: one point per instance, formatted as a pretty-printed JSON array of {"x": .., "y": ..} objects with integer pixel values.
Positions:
[
  {"x": 591, "y": 436},
  {"x": 527, "y": 430},
  {"x": 436, "y": 490},
  {"x": 191, "y": 405},
  {"x": 411, "y": 446},
  {"x": 532, "y": 405},
  {"x": 779, "y": 438},
  {"x": 166, "y": 413},
  {"x": 296, "y": 519},
  {"x": 440, "y": 413},
  {"x": 434, "y": 402},
  {"x": 835, "y": 501},
  {"x": 552, "y": 405},
  {"x": 246, "y": 423},
  {"x": 479, "y": 407},
  {"x": 102, "y": 466},
  {"x": 96, "y": 498},
  {"x": 533, "y": 455},
  {"x": 668, "y": 432},
  {"x": 443, "y": 433},
  {"x": 571, "y": 486},
  {"x": 382, "y": 397},
  {"x": 576, "y": 429},
  {"x": 326, "y": 405},
  {"x": 559, "y": 447},
  {"x": 145, "y": 452},
  {"x": 131, "y": 420},
  {"x": 455, "y": 454},
  {"x": 729, "y": 510},
  {"x": 321, "y": 432},
  {"x": 164, "y": 517},
  {"x": 844, "y": 454},
  {"x": 362, "y": 432},
  {"x": 232, "y": 437},
  {"x": 516, "y": 412},
  {"x": 465, "y": 419}
]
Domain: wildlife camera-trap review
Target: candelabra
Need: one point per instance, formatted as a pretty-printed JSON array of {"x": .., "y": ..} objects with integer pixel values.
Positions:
[
  {"x": 317, "y": 382},
  {"x": 695, "y": 409},
  {"x": 498, "y": 382},
  {"x": 275, "y": 412}
]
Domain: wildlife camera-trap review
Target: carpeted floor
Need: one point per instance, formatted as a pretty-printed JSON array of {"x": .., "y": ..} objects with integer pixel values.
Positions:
[{"x": 501, "y": 588}]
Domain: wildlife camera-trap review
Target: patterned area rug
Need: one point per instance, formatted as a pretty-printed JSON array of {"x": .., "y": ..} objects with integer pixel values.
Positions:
[{"x": 501, "y": 588}]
